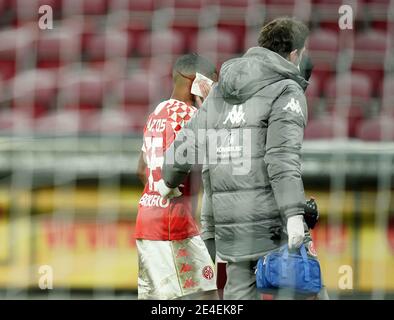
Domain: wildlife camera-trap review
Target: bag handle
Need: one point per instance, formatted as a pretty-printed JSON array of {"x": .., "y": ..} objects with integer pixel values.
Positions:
[
  {"x": 306, "y": 264},
  {"x": 304, "y": 259},
  {"x": 284, "y": 261}
]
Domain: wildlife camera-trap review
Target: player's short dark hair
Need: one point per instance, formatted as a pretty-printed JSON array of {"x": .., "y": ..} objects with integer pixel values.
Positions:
[
  {"x": 191, "y": 63},
  {"x": 283, "y": 35}
]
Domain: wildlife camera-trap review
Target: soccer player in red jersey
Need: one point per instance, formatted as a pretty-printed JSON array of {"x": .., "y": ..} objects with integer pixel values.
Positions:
[{"x": 173, "y": 259}]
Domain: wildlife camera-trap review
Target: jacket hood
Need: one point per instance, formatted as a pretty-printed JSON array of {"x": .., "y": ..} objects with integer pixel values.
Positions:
[{"x": 243, "y": 77}]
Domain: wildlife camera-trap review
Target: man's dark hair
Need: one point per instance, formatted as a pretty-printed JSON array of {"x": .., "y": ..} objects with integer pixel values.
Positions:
[
  {"x": 188, "y": 64},
  {"x": 283, "y": 35}
]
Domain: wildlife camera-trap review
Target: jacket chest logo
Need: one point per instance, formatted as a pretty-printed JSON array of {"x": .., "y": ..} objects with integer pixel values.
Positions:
[
  {"x": 293, "y": 105},
  {"x": 236, "y": 115}
]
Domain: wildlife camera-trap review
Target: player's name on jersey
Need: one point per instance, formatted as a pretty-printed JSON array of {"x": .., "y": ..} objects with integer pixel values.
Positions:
[
  {"x": 153, "y": 200},
  {"x": 157, "y": 125}
]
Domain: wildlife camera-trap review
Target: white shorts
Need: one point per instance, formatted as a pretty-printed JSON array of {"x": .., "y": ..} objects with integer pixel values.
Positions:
[{"x": 173, "y": 269}]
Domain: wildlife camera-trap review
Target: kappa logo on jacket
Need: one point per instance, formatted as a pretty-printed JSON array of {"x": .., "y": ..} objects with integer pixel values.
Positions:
[
  {"x": 294, "y": 105},
  {"x": 236, "y": 115}
]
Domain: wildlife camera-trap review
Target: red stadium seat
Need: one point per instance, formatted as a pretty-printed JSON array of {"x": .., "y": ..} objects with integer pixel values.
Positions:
[
  {"x": 370, "y": 51},
  {"x": 216, "y": 41},
  {"x": 114, "y": 121},
  {"x": 189, "y": 32},
  {"x": 292, "y": 8},
  {"x": 355, "y": 86},
  {"x": 108, "y": 45},
  {"x": 34, "y": 91},
  {"x": 377, "y": 13},
  {"x": 139, "y": 89},
  {"x": 135, "y": 17},
  {"x": 94, "y": 7},
  {"x": 85, "y": 7},
  {"x": 371, "y": 42},
  {"x": 161, "y": 72},
  {"x": 322, "y": 43},
  {"x": 155, "y": 65},
  {"x": 2, "y": 95},
  {"x": 353, "y": 115},
  {"x": 217, "y": 45},
  {"x": 233, "y": 17},
  {"x": 15, "y": 45},
  {"x": 133, "y": 5},
  {"x": 7, "y": 68},
  {"x": 325, "y": 128},
  {"x": 237, "y": 30},
  {"x": 136, "y": 116},
  {"x": 377, "y": 129},
  {"x": 325, "y": 13},
  {"x": 349, "y": 95},
  {"x": 137, "y": 95},
  {"x": 83, "y": 28},
  {"x": 3, "y": 10},
  {"x": 83, "y": 90},
  {"x": 57, "y": 47},
  {"x": 182, "y": 4},
  {"x": 387, "y": 93},
  {"x": 322, "y": 47},
  {"x": 3, "y": 5},
  {"x": 160, "y": 43},
  {"x": 15, "y": 121},
  {"x": 230, "y": 3},
  {"x": 185, "y": 18},
  {"x": 27, "y": 10},
  {"x": 62, "y": 122},
  {"x": 386, "y": 111}
]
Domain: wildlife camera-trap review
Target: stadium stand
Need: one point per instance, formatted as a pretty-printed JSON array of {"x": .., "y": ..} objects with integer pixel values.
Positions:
[
  {"x": 323, "y": 50},
  {"x": 378, "y": 129},
  {"x": 326, "y": 127},
  {"x": 349, "y": 96},
  {"x": 127, "y": 35}
]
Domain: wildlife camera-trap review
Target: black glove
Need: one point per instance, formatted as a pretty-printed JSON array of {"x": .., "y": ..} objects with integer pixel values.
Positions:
[{"x": 311, "y": 215}]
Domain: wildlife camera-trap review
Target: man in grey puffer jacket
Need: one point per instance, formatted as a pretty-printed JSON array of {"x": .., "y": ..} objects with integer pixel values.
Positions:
[{"x": 251, "y": 129}]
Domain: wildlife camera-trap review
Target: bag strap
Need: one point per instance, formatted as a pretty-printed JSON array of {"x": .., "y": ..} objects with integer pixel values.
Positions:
[
  {"x": 284, "y": 261},
  {"x": 306, "y": 264}
]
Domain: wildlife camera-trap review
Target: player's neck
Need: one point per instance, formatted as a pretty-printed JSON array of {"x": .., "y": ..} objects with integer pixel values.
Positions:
[{"x": 182, "y": 95}]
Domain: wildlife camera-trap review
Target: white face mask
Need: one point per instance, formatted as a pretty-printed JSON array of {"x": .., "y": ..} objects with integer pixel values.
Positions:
[{"x": 298, "y": 61}]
